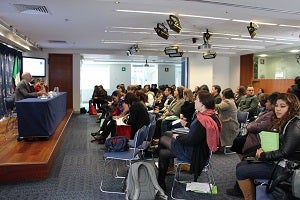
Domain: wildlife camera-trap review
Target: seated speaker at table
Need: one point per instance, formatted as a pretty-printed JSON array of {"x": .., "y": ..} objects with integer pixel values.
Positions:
[{"x": 23, "y": 88}]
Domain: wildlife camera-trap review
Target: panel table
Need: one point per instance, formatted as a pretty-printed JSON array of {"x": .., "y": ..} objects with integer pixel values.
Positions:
[{"x": 39, "y": 117}]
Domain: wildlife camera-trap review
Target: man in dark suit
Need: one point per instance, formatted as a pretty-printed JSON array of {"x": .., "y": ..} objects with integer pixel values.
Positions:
[{"x": 23, "y": 90}]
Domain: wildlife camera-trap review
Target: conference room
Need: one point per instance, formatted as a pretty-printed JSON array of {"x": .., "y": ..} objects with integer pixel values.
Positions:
[{"x": 83, "y": 44}]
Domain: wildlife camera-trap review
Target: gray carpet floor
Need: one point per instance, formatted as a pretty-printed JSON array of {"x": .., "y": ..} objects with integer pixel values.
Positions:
[{"x": 79, "y": 166}]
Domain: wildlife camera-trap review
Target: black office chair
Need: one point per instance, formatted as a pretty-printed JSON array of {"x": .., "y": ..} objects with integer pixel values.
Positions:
[
  {"x": 9, "y": 105},
  {"x": 242, "y": 117},
  {"x": 11, "y": 114}
]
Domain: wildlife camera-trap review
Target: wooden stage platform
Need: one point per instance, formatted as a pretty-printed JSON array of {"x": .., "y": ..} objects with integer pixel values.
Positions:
[{"x": 28, "y": 160}]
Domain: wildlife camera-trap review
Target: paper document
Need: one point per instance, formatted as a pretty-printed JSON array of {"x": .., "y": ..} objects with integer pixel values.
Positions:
[
  {"x": 269, "y": 141},
  {"x": 201, "y": 187},
  {"x": 171, "y": 118},
  {"x": 183, "y": 130},
  {"x": 120, "y": 122},
  {"x": 176, "y": 121}
]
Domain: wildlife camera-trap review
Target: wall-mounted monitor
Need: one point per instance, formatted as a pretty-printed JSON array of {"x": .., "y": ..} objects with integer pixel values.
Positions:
[{"x": 35, "y": 66}]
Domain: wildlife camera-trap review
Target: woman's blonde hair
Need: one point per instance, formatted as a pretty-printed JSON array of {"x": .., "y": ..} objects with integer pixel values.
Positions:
[{"x": 189, "y": 93}]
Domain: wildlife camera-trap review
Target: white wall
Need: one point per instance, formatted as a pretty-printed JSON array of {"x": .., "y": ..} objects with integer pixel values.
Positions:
[
  {"x": 234, "y": 72},
  {"x": 200, "y": 71},
  {"x": 222, "y": 70}
]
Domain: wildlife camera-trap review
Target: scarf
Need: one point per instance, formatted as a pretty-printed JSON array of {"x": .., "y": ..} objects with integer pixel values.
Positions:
[{"x": 212, "y": 128}]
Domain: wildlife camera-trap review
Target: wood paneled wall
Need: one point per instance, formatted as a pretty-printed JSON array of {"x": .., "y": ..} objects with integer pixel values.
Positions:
[
  {"x": 272, "y": 85},
  {"x": 61, "y": 75},
  {"x": 269, "y": 85},
  {"x": 246, "y": 69}
]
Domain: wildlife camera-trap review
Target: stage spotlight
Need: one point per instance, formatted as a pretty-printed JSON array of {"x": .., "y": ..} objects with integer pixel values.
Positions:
[
  {"x": 174, "y": 23},
  {"x": 209, "y": 54},
  {"x": 171, "y": 50},
  {"x": 206, "y": 37},
  {"x": 179, "y": 54},
  {"x": 204, "y": 46},
  {"x": 252, "y": 30},
  {"x": 162, "y": 31},
  {"x": 146, "y": 64},
  {"x": 132, "y": 50}
]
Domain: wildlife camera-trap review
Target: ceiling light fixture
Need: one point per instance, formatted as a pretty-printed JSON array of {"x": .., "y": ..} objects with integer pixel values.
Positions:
[
  {"x": 252, "y": 29},
  {"x": 174, "y": 23},
  {"x": 171, "y": 50},
  {"x": 210, "y": 54},
  {"x": 132, "y": 50},
  {"x": 13, "y": 37},
  {"x": 286, "y": 25},
  {"x": 146, "y": 64},
  {"x": 161, "y": 31},
  {"x": 297, "y": 58},
  {"x": 206, "y": 39},
  {"x": 144, "y": 12},
  {"x": 294, "y": 51},
  {"x": 173, "y": 55},
  {"x": 263, "y": 55},
  {"x": 260, "y": 23},
  {"x": 204, "y": 17}
]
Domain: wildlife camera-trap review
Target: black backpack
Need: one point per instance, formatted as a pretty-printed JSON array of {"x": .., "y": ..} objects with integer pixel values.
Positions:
[{"x": 116, "y": 144}]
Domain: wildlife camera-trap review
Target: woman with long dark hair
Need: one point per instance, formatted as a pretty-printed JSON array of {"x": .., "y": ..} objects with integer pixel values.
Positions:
[{"x": 287, "y": 123}]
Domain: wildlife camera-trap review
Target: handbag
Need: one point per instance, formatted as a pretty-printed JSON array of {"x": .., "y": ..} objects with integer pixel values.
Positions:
[
  {"x": 252, "y": 143},
  {"x": 285, "y": 184},
  {"x": 116, "y": 144}
]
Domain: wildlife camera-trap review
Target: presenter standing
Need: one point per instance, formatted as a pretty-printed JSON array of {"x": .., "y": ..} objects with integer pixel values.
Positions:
[{"x": 23, "y": 89}]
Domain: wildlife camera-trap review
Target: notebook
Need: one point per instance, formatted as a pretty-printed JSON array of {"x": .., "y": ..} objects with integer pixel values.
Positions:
[
  {"x": 269, "y": 141},
  {"x": 184, "y": 130}
]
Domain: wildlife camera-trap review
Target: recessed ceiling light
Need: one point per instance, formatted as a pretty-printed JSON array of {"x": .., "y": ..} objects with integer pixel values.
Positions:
[
  {"x": 117, "y": 2},
  {"x": 286, "y": 25},
  {"x": 204, "y": 17},
  {"x": 294, "y": 51},
  {"x": 263, "y": 55}
]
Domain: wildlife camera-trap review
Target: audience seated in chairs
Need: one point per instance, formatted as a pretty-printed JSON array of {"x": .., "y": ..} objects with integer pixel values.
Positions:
[
  {"x": 138, "y": 114},
  {"x": 150, "y": 95},
  {"x": 249, "y": 103},
  {"x": 99, "y": 97},
  {"x": 239, "y": 92},
  {"x": 108, "y": 126},
  {"x": 215, "y": 91},
  {"x": 287, "y": 123},
  {"x": 295, "y": 88},
  {"x": 227, "y": 112},
  {"x": 40, "y": 86},
  {"x": 195, "y": 146},
  {"x": 166, "y": 100},
  {"x": 246, "y": 145},
  {"x": 187, "y": 112},
  {"x": 172, "y": 110},
  {"x": 23, "y": 89}
]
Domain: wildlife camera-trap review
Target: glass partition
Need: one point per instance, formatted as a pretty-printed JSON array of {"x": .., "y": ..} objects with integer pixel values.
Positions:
[{"x": 276, "y": 66}]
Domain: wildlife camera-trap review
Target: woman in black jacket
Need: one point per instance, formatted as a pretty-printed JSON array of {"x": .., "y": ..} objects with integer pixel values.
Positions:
[
  {"x": 287, "y": 123},
  {"x": 138, "y": 113},
  {"x": 195, "y": 146}
]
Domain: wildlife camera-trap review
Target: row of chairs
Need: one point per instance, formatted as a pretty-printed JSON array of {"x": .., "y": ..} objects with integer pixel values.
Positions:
[
  {"x": 243, "y": 120},
  {"x": 138, "y": 145},
  {"x": 141, "y": 142},
  {"x": 11, "y": 115},
  {"x": 207, "y": 170}
]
